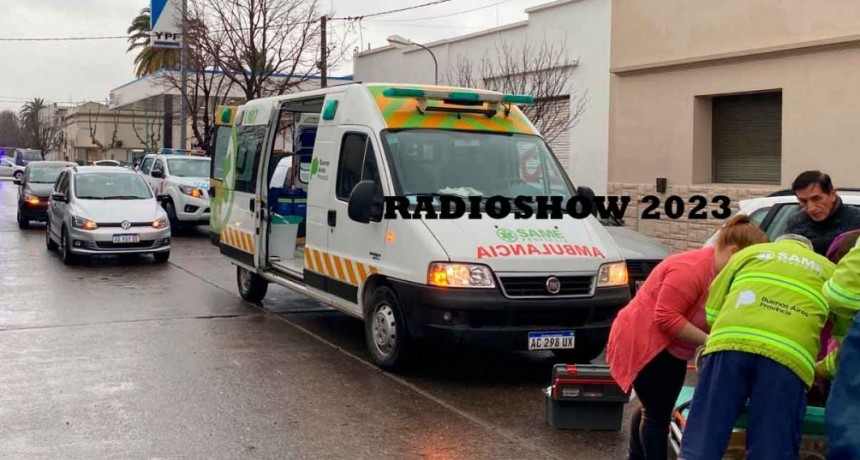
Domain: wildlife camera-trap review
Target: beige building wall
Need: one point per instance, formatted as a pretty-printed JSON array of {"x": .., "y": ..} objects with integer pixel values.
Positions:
[{"x": 670, "y": 58}]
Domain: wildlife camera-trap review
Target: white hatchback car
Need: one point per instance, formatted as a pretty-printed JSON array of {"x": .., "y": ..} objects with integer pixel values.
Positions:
[
  {"x": 105, "y": 210},
  {"x": 771, "y": 213}
]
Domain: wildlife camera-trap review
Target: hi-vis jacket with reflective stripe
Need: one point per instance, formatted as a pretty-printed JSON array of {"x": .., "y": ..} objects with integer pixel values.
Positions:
[
  {"x": 767, "y": 300},
  {"x": 842, "y": 291}
]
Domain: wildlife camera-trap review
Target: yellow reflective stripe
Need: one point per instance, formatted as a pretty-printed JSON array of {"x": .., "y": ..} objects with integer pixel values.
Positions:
[
  {"x": 328, "y": 267},
  {"x": 362, "y": 274},
  {"x": 319, "y": 263},
  {"x": 783, "y": 343},
  {"x": 351, "y": 272},
  {"x": 835, "y": 291},
  {"x": 308, "y": 261},
  {"x": 787, "y": 283},
  {"x": 340, "y": 274}
]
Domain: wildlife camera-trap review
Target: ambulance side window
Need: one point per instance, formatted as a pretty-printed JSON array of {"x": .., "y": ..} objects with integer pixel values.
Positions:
[
  {"x": 222, "y": 139},
  {"x": 250, "y": 140},
  {"x": 357, "y": 162}
]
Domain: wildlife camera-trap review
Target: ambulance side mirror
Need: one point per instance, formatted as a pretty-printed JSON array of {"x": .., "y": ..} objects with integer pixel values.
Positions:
[
  {"x": 588, "y": 194},
  {"x": 365, "y": 203}
]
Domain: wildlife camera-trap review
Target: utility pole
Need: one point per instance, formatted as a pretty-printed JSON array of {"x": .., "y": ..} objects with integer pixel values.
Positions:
[
  {"x": 184, "y": 72},
  {"x": 323, "y": 54}
]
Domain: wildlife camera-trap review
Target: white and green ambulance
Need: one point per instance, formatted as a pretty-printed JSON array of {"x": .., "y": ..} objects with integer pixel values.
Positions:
[{"x": 529, "y": 284}]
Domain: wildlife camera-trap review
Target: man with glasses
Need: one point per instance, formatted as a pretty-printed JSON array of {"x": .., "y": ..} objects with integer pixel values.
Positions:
[{"x": 822, "y": 215}]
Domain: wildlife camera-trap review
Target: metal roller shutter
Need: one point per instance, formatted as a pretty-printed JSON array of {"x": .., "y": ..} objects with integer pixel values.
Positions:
[
  {"x": 561, "y": 144},
  {"x": 747, "y": 138}
]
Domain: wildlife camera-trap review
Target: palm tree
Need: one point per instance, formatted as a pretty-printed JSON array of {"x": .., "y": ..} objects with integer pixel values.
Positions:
[
  {"x": 148, "y": 59},
  {"x": 30, "y": 121}
]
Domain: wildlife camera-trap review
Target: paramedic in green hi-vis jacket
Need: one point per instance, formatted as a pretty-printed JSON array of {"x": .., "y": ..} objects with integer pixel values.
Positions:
[
  {"x": 842, "y": 417},
  {"x": 766, "y": 312}
]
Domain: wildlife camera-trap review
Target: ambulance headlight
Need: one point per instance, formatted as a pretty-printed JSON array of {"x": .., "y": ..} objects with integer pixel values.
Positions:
[
  {"x": 460, "y": 275},
  {"x": 612, "y": 274}
]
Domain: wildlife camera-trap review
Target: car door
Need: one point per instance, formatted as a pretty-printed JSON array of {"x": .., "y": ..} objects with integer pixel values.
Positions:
[
  {"x": 7, "y": 168},
  {"x": 58, "y": 208},
  {"x": 777, "y": 218},
  {"x": 353, "y": 247},
  {"x": 156, "y": 182}
]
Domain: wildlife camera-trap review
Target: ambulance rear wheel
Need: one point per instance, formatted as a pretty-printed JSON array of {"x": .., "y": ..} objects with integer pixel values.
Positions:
[
  {"x": 385, "y": 330},
  {"x": 252, "y": 287}
]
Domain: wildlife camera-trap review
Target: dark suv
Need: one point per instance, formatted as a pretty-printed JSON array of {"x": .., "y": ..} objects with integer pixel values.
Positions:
[{"x": 35, "y": 190}]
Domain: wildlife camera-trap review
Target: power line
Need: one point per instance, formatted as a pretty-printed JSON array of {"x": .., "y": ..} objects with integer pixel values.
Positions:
[
  {"x": 444, "y": 15},
  {"x": 125, "y": 37},
  {"x": 381, "y": 13}
]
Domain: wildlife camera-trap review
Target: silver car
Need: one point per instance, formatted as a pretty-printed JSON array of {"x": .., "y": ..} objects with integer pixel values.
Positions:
[{"x": 105, "y": 210}]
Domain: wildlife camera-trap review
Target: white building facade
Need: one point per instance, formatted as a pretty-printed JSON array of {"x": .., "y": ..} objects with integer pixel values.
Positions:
[{"x": 579, "y": 28}]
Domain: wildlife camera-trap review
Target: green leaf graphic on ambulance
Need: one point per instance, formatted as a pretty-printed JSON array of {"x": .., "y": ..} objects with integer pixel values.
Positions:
[{"x": 315, "y": 166}]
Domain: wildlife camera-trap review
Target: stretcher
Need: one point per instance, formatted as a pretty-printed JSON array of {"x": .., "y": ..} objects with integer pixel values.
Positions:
[{"x": 813, "y": 444}]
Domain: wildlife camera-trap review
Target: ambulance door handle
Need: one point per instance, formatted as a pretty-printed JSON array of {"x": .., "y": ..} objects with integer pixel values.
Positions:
[
  {"x": 332, "y": 217},
  {"x": 251, "y": 204}
]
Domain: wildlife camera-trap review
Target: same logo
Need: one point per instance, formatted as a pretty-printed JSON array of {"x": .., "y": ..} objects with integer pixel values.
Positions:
[{"x": 125, "y": 225}]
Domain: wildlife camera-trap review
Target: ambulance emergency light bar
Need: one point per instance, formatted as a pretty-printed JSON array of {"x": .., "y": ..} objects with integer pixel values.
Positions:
[{"x": 460, "y": 98}]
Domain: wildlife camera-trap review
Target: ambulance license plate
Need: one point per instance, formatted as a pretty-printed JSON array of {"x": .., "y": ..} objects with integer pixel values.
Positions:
[
  {"x": 551, "y": 340},
  {"x": 130, "y": 238}
]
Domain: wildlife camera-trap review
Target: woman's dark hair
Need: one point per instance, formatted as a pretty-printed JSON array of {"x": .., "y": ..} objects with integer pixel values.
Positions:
[
  {"x": 808, "y": 178},
  {"x": 841, "y": 245}
]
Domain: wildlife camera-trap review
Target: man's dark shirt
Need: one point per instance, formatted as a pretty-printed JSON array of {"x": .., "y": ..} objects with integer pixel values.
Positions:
[{"x": 843, "y": 218}]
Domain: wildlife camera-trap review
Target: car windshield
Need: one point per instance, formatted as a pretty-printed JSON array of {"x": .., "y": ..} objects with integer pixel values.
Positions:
[
  {"x": 444, "y": 162},
  {"x": 44, "y": 174},
  {"x": 31, "y": 156},
  {"x": 111, "y": 186},
  {"x": 187, "y": 167}
]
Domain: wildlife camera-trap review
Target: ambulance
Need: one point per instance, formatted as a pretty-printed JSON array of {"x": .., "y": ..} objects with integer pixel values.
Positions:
[{"x": 529, "y": 284}]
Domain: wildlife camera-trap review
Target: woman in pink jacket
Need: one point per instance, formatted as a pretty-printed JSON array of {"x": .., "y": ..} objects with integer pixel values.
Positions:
[{"x": 657, "y": 333}]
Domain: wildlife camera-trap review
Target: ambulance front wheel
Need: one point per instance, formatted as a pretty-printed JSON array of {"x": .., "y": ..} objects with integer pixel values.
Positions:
[
  {"x": 385, "y": 330},
  {"x": 252, "y": 287}
]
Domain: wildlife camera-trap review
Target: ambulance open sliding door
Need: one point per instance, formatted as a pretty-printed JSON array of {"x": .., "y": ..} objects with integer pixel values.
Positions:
[{"x": 238, "y": 233}]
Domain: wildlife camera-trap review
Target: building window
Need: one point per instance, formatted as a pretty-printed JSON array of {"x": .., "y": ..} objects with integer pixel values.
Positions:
[{"x": 747, "y": 138}]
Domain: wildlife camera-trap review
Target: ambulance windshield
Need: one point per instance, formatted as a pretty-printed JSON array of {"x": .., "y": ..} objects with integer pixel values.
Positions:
[{"x": 468, "y": 163}]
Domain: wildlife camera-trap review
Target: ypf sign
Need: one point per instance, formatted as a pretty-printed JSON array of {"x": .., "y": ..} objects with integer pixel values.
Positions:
[{"x": 165, "y": 24}]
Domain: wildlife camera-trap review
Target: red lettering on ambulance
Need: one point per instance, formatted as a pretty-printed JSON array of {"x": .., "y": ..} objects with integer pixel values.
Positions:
[
  {"x": 533, "y": 249},
  {"x": 482, "y": 252},
  {"x": 597, "y": 252},
  {"x": 518, "y": 250},
  {"x": 500, "y": 248}
]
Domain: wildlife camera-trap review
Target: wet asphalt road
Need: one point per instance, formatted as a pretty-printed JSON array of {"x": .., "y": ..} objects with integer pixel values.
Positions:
[{"x": 128, "y": 359}]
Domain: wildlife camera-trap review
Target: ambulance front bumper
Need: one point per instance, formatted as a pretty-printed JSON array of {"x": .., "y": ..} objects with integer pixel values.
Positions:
[{"x": 490, "y": 315}]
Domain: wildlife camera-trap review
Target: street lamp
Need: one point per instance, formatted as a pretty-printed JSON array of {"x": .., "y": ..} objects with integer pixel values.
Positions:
[{"x": 399, "y": 42}]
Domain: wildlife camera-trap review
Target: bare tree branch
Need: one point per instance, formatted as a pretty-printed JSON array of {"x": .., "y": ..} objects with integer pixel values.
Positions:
[{"x": 542, "y": 70}]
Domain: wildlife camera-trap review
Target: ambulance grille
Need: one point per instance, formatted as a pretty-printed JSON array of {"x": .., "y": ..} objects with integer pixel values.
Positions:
[{"x": 535, "y": 286}]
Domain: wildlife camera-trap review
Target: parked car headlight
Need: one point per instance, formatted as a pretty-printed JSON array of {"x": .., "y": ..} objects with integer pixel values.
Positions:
[
  {"x": 160, "y": 223},
  {"x": 192, "y": 191},
  {"x": 612, "y": 274},
  {"x": 31, "y": 199},
  {"x": 86, "y": 224},
  {"x": 460, "y": 275}
]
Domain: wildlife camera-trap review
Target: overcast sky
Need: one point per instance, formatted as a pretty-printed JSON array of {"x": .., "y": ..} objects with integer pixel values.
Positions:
[{"x": 87, "y": 70}]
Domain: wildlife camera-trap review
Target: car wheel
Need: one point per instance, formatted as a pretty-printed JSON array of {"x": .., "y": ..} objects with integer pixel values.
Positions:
[
  {"x": 252, "y": 287},
  {"x": 66, "y": 249},
  {"x": 175, "y": 225},
  {"x": 388, "y": 340},
  {"x": 161, "y": 257},
  {"x": 18, "y": 175},
  {"x": 49, "y": 242},
  {"x": 23, "y": 222}
]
